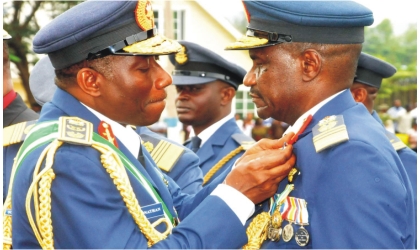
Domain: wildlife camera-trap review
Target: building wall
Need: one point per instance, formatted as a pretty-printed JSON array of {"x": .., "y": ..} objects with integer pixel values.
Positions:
[{"x": 203, "y": 26}]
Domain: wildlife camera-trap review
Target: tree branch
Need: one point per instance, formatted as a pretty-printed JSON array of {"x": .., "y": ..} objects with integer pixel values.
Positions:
[{"x": 32, "y": 14}]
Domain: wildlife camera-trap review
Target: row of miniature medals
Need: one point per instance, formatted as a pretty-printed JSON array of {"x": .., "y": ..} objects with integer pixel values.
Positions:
[{"x": 294, "y": 210}]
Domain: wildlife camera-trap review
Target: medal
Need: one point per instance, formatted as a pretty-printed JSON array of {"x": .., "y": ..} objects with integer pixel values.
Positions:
[
  {"x": 274, "y": 229},
  {"x": 287, "y": 232},
  {"x": 276, "y": 219},
  {"x": 302, "y": 237},
  {"x": 274, "y": 233}
]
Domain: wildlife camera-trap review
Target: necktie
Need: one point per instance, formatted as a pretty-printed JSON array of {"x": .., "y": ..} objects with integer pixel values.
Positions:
[
  {"x": 195, "y": 143},
  {"x": 140, "y": 157}
]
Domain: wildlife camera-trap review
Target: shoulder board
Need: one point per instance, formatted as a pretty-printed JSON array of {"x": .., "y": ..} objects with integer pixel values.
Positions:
[
  {"x": 395, "y": 141},
  {"x": 245, "y": 141},
  {"x": 165, "y": 154},
  {"x": 75, "y": 130},
  {"x": 16, "y": 133},
  {"x": 329, "y": 132}
]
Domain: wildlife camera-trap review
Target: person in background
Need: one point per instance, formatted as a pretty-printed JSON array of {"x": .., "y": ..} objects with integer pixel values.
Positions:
[
  {"x": 348, "y": 189},
  {"x": 412, "y": 139},
  {"x": 248, "y": 124},
  {"x": 83, "y": 176},
  {"x": 17, "y": 118},
  {"x": 239, "y": 120},
  {"x": 259, "y": 131},
  {"x": 396, "y": 112},
  {"x": 367, "y": 82},
  {"x": 277, "y": 129},
  {"x": 14, "y": 108},
  {"x": 175, "y": 160},
  {"x": 206, "y": 84},
  {"x": 405, "y": 121}
]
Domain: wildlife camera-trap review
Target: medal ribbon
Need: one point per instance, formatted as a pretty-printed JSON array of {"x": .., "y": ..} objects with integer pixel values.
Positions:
[
  {"x": 303, "y": 215},
  {"x": 280, "y": 198}
]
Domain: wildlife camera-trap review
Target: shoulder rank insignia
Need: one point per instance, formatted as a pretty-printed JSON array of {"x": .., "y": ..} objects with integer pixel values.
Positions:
[
  {"x": 75, "y": 130},
  {"x": 328, "y": 132},
  {"x": 16, "y": 133},
  {"x": 165, "y": 154},
  {"x": 395, "y": 141},
  {"x": 245, "y": 141}
]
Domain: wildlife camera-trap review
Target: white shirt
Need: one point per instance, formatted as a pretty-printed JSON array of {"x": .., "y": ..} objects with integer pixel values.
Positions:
[
  {"x": 239, "y": 203},
  {"x": 208, "y": 132}
]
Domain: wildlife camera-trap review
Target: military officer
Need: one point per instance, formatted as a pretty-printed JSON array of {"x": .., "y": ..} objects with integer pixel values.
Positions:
[
  {"x": 77, "y": 182},
  {"x": 179, "y": 162},
  {"x": 16, "y": 117},
  {"x": 206, "y": 84},
  {"x": 348, "y": 189},
  {"x": 367, "y": 82}
]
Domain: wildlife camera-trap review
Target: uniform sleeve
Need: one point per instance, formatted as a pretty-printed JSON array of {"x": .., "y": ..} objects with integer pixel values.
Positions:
[{"x": 187, "y": 173}]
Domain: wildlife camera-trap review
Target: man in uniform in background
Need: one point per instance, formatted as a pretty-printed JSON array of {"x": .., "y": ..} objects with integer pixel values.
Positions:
[
  {"x": 16, "y": 118},
  {"x": 79, "y": 172},
  {"x": 367, "y": 82},
  {"x": 206, "y": 84},
  {"x": 348, "y": 190},
  {"x": 177, "y": 161}
]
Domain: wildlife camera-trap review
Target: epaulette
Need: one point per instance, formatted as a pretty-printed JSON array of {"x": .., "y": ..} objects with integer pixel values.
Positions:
[
  {"x": 165, "y": 154},
  {"x": 245, "y": 141},
  {"x": 395, "y": 141},
  {"x": 75, "y": 130},
  {"x": 16, "y": 133},
  {"x": 328, "y": 132}
]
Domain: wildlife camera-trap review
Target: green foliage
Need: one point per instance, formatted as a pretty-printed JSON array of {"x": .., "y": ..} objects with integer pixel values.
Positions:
[
  {"x": 399, "y": 50},
  {"x": 22, "y": 20}
]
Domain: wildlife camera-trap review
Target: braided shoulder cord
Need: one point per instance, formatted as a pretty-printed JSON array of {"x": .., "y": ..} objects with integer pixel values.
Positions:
[
  {"x": 220, "y": 164},
  {"x": 113, "y": 165},
  {"x": 257, "y": 231},
  {"x": 43, "y": 229}
]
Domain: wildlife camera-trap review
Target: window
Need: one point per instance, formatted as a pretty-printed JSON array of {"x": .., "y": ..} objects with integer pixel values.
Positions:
[
  {"x": 243, "y": 103},
  {"x": 178, "y": 23}
]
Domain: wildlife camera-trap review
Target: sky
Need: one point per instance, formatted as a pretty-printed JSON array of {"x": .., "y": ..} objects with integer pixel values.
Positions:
[{"x": 401, "y": 12}]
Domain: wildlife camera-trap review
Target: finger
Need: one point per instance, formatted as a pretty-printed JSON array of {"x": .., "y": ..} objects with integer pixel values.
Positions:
[
  {"x": 275, "y": 144},
  {"x": 282, "y": 170},
  {"x": 268, "y": 158}
]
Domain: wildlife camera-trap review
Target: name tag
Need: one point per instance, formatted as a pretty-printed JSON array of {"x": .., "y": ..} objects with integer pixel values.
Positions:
[{"x": 154, "y": 210}]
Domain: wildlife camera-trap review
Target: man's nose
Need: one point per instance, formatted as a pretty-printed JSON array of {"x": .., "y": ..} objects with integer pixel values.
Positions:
[{"x": 249, "y": 79}]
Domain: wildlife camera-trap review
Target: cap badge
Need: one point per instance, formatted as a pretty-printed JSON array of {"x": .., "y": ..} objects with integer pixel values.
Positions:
[
  {"x": 181, "y": 57},
  {"x": 144, "y": 15}
]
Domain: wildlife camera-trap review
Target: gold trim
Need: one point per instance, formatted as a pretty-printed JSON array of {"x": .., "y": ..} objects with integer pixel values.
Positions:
[{"x": 247, "y": 42}]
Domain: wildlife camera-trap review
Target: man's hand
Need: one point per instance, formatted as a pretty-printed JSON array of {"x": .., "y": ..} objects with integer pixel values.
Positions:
[{"x": 261, "y": 168}]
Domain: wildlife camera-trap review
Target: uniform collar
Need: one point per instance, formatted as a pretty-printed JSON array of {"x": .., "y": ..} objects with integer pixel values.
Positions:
[
  {"x": 296, "y": 126},
  {"x": 208, "y": 132},
  {"x": 125, "y": 134}
]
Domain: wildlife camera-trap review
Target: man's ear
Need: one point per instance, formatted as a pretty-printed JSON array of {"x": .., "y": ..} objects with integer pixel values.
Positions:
[
  {"x": 359, "y": 93},
  {"x": 89, "y": 81},
  {"x": 311, "y": 64},
  {"x": 227, "y": 94}
]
